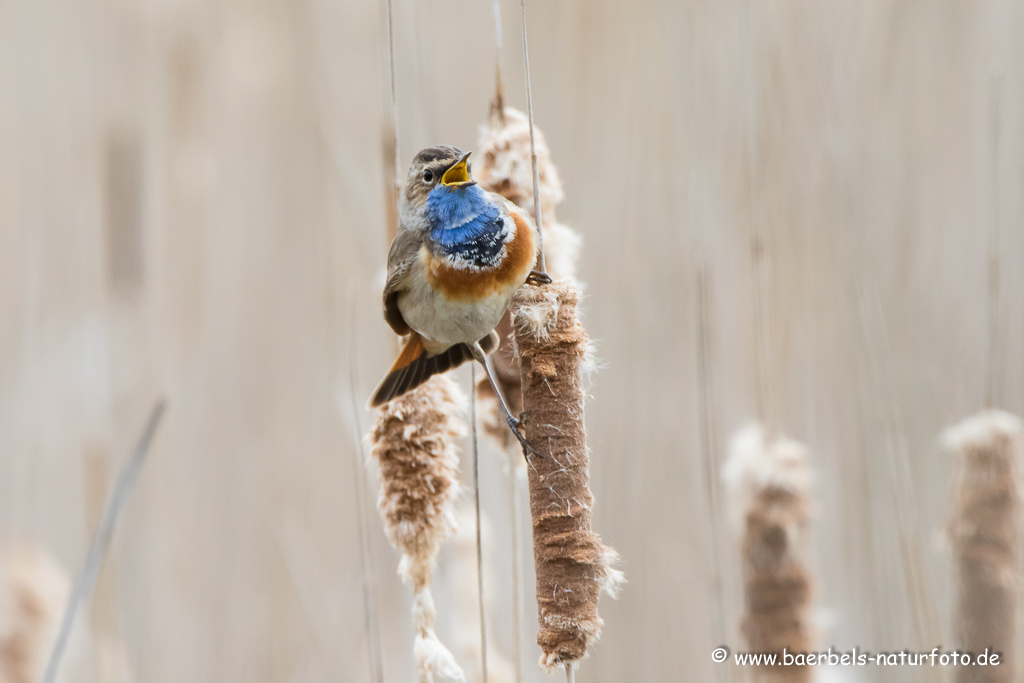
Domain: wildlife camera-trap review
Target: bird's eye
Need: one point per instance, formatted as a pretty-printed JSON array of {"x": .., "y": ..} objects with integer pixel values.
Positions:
[{"x": 428, "y": 176}]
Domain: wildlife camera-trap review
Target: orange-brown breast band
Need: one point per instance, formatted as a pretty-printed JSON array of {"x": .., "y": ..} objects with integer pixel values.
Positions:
[{"x": 469, "y": 285}]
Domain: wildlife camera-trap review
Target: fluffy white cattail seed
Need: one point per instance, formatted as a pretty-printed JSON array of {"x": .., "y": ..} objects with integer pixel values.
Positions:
[{"x": 413, "y": 440}]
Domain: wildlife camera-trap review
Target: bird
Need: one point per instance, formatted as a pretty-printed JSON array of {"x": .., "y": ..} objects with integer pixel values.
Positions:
[{"x": 458, "y": 256}]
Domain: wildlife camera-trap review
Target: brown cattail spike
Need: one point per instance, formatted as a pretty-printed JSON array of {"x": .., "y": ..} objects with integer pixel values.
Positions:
[
  {"x": 460, "y": 572},
  {"x": 770, "y": 483},
  {"x": 505, "y": 168},
  {"x": 572, "y": 565},
  {"x": 985, "y": 534},
  {"x": 413, "y": 440}
]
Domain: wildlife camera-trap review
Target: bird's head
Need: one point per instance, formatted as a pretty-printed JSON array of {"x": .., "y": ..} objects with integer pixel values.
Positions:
[{"x": 442, "y": 167}]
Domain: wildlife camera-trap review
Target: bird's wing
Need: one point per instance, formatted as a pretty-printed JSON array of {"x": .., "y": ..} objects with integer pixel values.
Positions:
[{"x": 404, "y": 252}]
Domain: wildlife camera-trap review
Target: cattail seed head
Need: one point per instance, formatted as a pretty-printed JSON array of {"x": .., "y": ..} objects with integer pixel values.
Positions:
[
  {"x": 770, "y": 484},
  {"x": 985, "y": 533},
  {"x": 505, "y": 165},
  {"x": 505, "y": 168},
  {"x": 572, "y": 565},
  {"x": 413, "y": 440}
]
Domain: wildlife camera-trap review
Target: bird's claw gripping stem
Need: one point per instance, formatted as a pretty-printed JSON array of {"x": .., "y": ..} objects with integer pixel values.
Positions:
[
  {"x": 538, "y": 278},
  {"x": 514, "y": 425}
]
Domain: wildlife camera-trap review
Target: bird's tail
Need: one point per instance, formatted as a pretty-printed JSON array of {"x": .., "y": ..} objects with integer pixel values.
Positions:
[{"x": 415, "y": 366}]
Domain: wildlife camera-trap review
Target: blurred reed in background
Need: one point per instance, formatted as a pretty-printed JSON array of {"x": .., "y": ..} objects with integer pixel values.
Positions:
[{"x": 191, "y": 206}]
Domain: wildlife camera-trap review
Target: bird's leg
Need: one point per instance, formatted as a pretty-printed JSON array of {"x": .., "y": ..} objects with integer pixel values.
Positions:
[
  {"x": 513, "y": 423},
  {"x": 538, "y": 278}
]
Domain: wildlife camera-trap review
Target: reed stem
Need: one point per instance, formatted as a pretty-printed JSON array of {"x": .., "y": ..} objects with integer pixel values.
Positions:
[
  {"x": 541, "y": 266},
  {"x": 479, "y": 527},
  {"x": 992, "y": 361},
  {"x": 759, "y": 248},
  {"x": 709, "y": 448},
  {"x": 366, "y": 559},
  {"x": 498, "y": 105},
  {"x": 898, "y": 460},
  {"x": 86, "y": 578},
  {"x": 394, "y": 103},
  {"x": 517, "y": 572}
]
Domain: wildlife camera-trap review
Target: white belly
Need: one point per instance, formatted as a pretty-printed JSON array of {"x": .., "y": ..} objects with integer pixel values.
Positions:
[{"x": 443, "y": 323}]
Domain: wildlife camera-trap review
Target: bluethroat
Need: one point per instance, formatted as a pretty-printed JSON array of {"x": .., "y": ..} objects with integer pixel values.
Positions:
[{"x": 458, "y": 256}]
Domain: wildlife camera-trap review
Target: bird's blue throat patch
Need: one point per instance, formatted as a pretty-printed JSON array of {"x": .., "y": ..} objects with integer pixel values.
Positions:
[{"x": 464, "y": 224}]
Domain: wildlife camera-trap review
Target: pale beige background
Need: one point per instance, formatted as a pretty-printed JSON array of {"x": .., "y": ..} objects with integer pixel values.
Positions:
[{"x": 192, "y": 205}]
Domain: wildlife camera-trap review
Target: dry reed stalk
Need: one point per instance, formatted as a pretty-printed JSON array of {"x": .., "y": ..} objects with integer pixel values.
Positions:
[
  {"x": 479, "y": 527},
  {"x": 572, "y": 564},
  {"x": 517, "y": 567},
  {"x": 904, "y": 493},
  {"x": 111, "y": 655},
  {"x": 770, "y": 482},
  {"x": 504, "y": 167},
  {"x": 985, "y": 531},
  {"x": 993, "y": 374},
  {"x": 392, "y": 161},
  {"x": 85, "y": 579},
  {"x": 370, "y": 617},
  {"x": 709, "y": 451},
  {"x": 33, "y": 591},
  {"x": 413, "y": 440},
  {"x": 537, "y": 214},
  {"x": 498, "y": 103},
  {"x": 461, "y": 570}
]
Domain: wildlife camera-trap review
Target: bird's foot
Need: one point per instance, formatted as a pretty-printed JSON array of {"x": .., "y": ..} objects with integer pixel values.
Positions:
[
  {"x": 514, "y": 425},
  {"x": 538, "y": 278}
]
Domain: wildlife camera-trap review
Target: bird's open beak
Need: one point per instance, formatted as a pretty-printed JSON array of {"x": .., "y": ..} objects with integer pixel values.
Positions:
[{"x": 458, "y": 175}]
